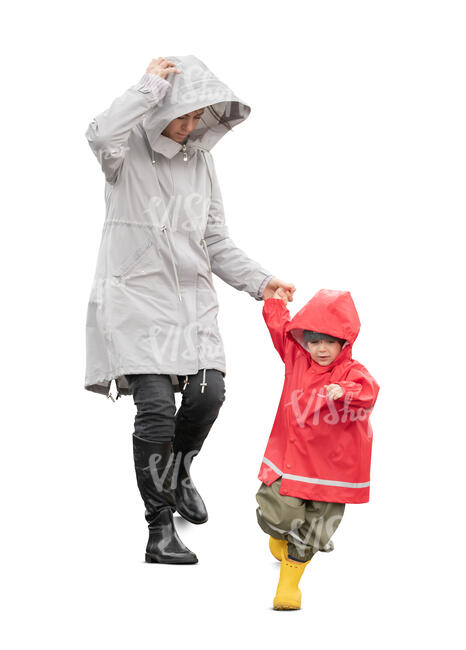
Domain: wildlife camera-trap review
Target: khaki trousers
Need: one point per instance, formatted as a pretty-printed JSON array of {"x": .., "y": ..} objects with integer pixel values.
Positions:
[{"x": 306, "y": 525}]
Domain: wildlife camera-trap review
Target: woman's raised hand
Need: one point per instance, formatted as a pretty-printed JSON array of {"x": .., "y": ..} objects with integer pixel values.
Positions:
[{"x": 162, "y": 67}]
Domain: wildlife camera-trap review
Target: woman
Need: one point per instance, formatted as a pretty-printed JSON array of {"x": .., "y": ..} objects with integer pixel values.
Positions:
[{"x": 152, "y": 314}]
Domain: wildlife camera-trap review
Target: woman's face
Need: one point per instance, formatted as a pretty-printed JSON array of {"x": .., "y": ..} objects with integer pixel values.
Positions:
[{"x": 182, "y": 126}]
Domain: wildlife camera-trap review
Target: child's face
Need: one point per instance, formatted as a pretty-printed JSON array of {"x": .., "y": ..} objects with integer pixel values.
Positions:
[{"x": 324, "y": 352}]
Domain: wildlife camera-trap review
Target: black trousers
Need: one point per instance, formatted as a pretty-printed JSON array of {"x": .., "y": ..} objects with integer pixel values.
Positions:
[{"x": 157, "y": 419}]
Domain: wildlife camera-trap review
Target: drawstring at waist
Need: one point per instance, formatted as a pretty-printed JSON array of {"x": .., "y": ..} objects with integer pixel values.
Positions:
[
  {"x": 109, "y": 393},
  {"x": 203, "y": 383}
]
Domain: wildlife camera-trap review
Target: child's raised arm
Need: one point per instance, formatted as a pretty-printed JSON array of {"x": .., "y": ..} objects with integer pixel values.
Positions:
[{"x": 276, "y": 316}]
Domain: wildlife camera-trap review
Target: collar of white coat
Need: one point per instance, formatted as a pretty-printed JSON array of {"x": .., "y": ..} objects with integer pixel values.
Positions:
[{"x": 170, "y": 148}]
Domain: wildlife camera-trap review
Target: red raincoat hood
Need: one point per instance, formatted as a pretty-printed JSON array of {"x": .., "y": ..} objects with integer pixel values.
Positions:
[{"x": 329, "y": 312}]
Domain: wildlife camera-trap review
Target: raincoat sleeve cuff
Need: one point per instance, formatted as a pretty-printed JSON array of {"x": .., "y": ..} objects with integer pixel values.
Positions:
[
  {"x": 264, "y": 283},
  {"x": 347, "y": 387},
  {"x": 152, "y": 83},
  {"x": 360, "y": 393}
]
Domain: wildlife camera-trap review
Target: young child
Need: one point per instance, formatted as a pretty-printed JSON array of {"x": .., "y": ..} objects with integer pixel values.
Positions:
[{"x": 318, "y": 454}]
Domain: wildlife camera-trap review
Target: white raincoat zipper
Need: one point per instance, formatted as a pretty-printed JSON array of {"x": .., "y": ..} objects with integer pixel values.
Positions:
[{"x": 164, "y": 229}]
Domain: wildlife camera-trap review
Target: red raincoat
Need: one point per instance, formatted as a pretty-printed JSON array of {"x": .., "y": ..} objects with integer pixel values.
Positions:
[{"x": 321, "y": 448}]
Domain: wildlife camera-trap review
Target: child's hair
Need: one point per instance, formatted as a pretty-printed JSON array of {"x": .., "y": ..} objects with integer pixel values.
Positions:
[{"x": 310, "y": 335}]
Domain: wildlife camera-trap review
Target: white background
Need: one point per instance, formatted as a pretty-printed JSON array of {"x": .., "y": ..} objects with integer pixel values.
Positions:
[{"x": 348, "y": 174}]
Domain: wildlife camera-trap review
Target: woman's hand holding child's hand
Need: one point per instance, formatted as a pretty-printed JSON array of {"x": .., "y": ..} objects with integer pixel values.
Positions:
[
  {"x": 280, "y": 294},
  {"x": 334, "y": 391},
  {"x": 274, "y": 284}
]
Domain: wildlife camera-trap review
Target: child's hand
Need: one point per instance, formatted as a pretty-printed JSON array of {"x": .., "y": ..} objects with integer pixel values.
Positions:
[
  {"x": 281, "y": 294},
  {"x": 334, "y": 391}
]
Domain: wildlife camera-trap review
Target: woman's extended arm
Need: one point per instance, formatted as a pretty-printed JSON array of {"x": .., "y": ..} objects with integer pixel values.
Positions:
[
  {"x": 229, "y": 262},
  {"x": 108, "y": 132}
]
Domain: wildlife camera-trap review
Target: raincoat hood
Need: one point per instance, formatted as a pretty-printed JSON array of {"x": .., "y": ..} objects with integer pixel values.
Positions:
[
  {"x": 329, "y": 312},
  {"x": 193, "y": 88}
]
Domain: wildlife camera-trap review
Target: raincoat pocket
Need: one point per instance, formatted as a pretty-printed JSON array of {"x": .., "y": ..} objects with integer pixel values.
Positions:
[{"x": 130, "y": 263}]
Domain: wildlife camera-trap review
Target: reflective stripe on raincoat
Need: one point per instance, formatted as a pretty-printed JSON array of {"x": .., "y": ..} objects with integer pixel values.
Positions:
[{"x": 321, "y": 448}]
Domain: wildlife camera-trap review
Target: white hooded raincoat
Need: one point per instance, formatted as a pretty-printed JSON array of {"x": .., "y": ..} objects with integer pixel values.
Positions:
[{"x": 153, "y": 306}]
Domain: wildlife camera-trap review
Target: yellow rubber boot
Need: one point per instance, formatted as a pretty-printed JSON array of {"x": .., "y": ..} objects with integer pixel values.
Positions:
[
  {"x": 288, "y": 594},
  {"x": 276, "y": 546}
]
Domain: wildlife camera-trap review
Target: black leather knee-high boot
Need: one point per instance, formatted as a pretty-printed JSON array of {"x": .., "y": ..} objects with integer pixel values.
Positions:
[
  {"x": 153, "y": 462},
  {"x": 189, "y": 502}
]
